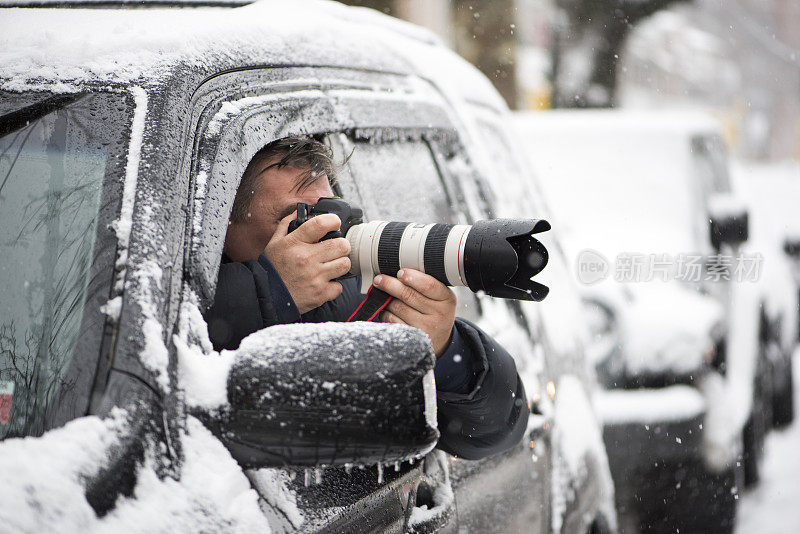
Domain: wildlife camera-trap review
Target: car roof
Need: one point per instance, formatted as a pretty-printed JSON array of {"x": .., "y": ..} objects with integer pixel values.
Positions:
[
  {"x": 66, "y": 49},
  {"x": 128, "y": 4},
  {"x": 621, "y": 180}
]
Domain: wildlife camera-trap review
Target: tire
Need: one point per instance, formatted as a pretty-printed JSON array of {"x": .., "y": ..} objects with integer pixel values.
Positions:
[
  {"x": 599, "y": 526},
  {"x": 689, "y": 499},
  {"x": 754, "y": 435},
  {"x": 752, "y": 444},
  {"x": 714, "y": 510},
  {"x": 760, "y": 420},
  {"x": 783, "y": 400}
]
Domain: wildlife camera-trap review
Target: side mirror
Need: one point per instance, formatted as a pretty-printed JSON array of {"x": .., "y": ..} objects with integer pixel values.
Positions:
[
  {"x": 791, "y": 246},
  {"x": 728, "y": 222},
  {"x": 330, "y": 394}
]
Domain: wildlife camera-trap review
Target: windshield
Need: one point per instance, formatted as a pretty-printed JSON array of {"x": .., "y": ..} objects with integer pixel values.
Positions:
[
  {"x": 54, "y": 155},
  {"x": 619, "y": 192}
]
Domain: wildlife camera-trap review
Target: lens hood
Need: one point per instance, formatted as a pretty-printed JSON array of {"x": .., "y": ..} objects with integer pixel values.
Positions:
[{"x": 501, "y": 257}]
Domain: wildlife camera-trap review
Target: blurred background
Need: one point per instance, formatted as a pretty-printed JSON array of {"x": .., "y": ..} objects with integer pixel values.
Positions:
[{"x": 738, "y": 58}]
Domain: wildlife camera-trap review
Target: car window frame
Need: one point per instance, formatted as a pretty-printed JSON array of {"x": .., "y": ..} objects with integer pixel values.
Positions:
[
  {"x": 207, "y": 149},
  {"x": 334, "y": 106}
]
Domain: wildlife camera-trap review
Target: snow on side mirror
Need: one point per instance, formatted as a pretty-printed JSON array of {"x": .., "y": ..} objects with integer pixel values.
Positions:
[
  {"x": 330, "y": 394},
  {"x": 728, "y": 221}
]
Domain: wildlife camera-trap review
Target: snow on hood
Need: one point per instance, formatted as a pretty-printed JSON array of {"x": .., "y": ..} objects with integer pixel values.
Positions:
[
  {"x": 213, "y": 494},
  {"x": 667, "y": 327},
  {"x": 49, "y": 473},
  {"x": 661, "y": 326},
  {"x": 61, "y": 49}
]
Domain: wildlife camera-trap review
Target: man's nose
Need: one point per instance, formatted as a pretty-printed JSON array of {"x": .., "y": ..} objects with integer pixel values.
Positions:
[
  {"x": 318, "y": 193},
  {"x": 312, "y": 199}
]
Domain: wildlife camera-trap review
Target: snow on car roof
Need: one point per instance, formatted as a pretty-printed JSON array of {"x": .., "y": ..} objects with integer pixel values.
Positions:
[
  {"x": 63, "y": 49},
  {"x": 126, "y": 3},
  {"x": 620, "y": 181}
]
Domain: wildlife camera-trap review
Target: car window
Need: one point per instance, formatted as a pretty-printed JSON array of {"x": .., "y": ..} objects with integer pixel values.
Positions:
[
  {"x": 395, "y": 171},
  {"x": 239, "y": 112},
  {"x": 53, "y": 161},
  {"x": 399, "y": 181}
]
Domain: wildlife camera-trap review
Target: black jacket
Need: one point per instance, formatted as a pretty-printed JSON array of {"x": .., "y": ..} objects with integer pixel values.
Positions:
[{"x": 482, "y": 408}]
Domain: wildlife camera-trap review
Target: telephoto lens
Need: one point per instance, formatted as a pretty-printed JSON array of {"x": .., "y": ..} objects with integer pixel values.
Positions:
[{"x": 499, "y": 257}]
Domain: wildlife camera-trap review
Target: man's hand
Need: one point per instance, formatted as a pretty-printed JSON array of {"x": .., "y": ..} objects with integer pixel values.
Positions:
[
  {"x": 306, "y": 265},
  {"x": 420, "y": 300}
]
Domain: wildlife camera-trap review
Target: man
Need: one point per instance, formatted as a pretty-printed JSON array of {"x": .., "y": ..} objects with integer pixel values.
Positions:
[{"x": 269, "y": 276}]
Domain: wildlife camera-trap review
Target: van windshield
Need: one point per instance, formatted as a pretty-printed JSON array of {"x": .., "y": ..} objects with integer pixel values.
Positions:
[
  {"x": 54, "y": 155},
  {"x": 635, "y": 189}
]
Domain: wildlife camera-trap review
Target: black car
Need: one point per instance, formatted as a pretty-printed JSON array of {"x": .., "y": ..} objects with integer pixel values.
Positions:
[{"x": 123, "y": 135}]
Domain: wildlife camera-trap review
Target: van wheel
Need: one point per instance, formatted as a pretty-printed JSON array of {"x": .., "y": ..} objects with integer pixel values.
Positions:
[
  {"x": 753, "y": 446},
  {"x": 759, "y": 422},
  {"x": 783, "y": 400},
  {"x": 599, "y": 526},
  {"x": 712, "y": 510},
  {"x": 687, "y": 496}
]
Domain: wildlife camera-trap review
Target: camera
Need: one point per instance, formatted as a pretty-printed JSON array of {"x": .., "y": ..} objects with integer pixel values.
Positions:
[{"x": 499, "y": 257}]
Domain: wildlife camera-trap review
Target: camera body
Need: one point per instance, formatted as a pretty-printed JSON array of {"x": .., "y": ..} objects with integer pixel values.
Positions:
[{"x": 349, "y": 215}]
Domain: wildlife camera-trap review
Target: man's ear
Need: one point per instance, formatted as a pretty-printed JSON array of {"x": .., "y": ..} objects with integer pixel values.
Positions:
[
  {"x": 226, "y": 243},
  {"x": 235, "y": 239}
]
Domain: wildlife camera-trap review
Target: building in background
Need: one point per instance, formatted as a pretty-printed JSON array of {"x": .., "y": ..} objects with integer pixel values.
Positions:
[
  {"x": 740, "y": 58},
  {"x": 482, "y": 31}
]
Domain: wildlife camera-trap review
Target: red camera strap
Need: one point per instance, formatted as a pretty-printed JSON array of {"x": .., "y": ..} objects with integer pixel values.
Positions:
[{"x": 375, "y": 301}]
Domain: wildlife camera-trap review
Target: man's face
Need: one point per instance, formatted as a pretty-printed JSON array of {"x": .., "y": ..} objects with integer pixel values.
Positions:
[{"x": 276, "y": 197}]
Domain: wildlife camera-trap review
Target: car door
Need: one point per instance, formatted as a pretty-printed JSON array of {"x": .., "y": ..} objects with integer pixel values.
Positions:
[
  {"x": 427, "y": 177},
  {"x": 237, "y": 114},
  {"x": 579, "y": 489},
  {"x": 71, "y": 338}
]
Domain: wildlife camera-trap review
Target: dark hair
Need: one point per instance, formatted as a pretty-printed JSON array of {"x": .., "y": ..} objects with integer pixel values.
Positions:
[{"x": 307, "y": 153}]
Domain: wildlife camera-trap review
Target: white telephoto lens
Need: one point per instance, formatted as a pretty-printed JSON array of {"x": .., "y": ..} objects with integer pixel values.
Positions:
[
  {"x": 412, "y": 246},
  {"x": 454, "y": 255},
  {"x": 364, "y": 239}
]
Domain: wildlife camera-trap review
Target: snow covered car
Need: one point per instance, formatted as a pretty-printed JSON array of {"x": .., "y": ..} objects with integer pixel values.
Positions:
[
  {"x": 645, "y": 209},
  {"x": 770, "y": 191},
  {"x": 123, "y": 136}
]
